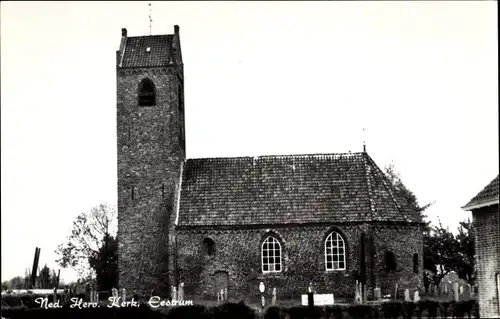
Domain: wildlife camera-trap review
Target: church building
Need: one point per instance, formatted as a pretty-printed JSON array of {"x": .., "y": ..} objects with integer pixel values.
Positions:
[{"x": 288, "y": 221}]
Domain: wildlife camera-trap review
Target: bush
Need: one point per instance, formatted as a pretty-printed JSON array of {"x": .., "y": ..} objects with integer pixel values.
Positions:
[
  {"x": 231, "y": 311},
  {"x": 446, "y": 308},
  {"x": 392, "y": 309},
  {"x": 469, "y": 307},
  {"x": 360, "y": 311},
  {"x": 408, "y": 308},
  {"x": 274, "y": 313},
  {"x": 301, "y": 312},
  {"x": 75, "y": 313},
  {"x": 432, "y": 308},
  {"x": 196, "y": 311},
  {"x": 12, "y": 301},
  {"x": 335, "y": 312}
]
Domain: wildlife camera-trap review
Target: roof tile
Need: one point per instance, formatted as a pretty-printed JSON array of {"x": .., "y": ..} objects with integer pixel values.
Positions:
[
  {"x": 489, "y": 193},
  {"x": 291, "y": 189},
  {"x": 136, "y": 54}
]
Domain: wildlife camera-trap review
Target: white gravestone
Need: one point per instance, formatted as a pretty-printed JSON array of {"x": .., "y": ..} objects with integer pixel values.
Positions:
[
  {"x": 407, "y": 295},
  {"x": 319, "y": 299},
  {"x": 416, "y": 296}
]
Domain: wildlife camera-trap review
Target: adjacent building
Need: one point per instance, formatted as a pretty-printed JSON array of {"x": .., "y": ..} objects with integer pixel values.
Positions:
[{"x": 486, "y": 219}]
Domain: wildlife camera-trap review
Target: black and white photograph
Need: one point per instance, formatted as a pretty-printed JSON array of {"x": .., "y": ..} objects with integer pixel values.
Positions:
[{"x": 250, "y": 159}]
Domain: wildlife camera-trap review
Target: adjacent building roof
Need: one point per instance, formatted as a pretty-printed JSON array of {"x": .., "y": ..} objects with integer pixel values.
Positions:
[
  {"x": 292, "y": 189},
  {"x": 138, "y": 55},
  {"x": 488, "y": 196}
]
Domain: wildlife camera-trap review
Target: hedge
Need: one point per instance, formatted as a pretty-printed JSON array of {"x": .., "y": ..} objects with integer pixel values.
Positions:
[{"x": 393, "y": 309}]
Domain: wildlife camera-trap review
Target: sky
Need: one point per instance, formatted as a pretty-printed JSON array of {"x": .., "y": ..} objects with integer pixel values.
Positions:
[{"x": 261, "y": 78}]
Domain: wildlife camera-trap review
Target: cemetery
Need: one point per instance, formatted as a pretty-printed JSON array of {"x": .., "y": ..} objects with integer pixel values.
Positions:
[{"x": 449, "y": 300}]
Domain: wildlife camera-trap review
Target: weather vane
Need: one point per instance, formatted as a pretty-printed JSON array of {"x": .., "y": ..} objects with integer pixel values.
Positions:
[{"x": 150, "y": 19}]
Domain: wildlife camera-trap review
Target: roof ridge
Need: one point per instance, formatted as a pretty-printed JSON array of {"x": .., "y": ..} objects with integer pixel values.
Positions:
[
  {"x": 150, "y": 36},
  {"x": 388, "y": 188},
  {"x": 278, "y": 156}
]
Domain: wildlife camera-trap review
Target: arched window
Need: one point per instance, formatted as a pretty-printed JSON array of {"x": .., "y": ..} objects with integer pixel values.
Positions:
[
  {"x": 415, "y": 263},
  {"x": 390, "y": 261},
  {"x": 335, "y": 252},
  {"x": 271, "y": 255},
  {"x": 208, "y": 247},
  {"x": 147, "y": 94}
]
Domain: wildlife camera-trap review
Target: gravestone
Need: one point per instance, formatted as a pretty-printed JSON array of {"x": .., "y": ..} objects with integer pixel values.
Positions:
[
  {"x": 180, "y": 294},
  {"x": 407, "y": 295},
  {"x": 467, "y": 291},
  {"x": 377, "y": 293},
  {"x": 357, "y": 294},
  {"x": 455, "y": 291},
  {"x": 174, "y": 293},
  {"x": 416, "y": 296}
]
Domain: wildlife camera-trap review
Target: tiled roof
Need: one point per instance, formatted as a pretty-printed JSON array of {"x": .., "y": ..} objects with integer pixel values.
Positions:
[
  {"x": 291, "y": 189},
  {"x": 487, "y": 195},
  {"x": 136, "y": 54}
]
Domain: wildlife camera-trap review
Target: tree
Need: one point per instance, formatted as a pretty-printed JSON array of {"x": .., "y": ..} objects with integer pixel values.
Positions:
[
  {"x": 105, "y": 264},
  {"x": 445, "y": 252},
  {"x": 411, "y": 201},
  {"x": 88, "y": 236},
  {"x": 440, "y": 253},
  {"x": 403, "y": 192},
  {"x": 14, "y": 283},
  {"x": 467, "y": 252}
]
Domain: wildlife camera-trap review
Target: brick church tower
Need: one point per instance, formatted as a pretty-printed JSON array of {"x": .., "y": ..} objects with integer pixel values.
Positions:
[{"x": 151, "y": 150}]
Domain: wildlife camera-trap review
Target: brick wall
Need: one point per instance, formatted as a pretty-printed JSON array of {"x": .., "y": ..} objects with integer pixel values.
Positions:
[
  {"x": 149, "y": 161},
  {"x": 404, "y": 242},
  {"x": 486, "y": 221},
  {"x": 238, "y": 252}
]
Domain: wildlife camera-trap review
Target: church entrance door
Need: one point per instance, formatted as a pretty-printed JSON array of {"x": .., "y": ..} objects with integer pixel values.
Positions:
[{"x": 221, "y": 280}]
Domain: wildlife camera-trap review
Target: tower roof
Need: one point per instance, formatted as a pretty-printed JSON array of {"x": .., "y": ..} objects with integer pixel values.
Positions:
[{"x": 148, "y": 51}]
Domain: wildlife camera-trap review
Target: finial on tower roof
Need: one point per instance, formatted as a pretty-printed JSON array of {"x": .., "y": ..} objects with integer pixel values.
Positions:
[
  {"x": 150, "y": 18},
  {"x": 364, "y": 141}
]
